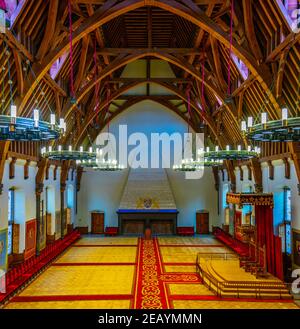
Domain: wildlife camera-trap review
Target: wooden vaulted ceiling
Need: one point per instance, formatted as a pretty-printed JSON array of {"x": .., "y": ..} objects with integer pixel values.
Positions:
[{"x": 107, "y": 35}]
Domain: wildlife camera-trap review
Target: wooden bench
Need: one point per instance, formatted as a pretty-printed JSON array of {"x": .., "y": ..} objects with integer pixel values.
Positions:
[
  {"x": 186, "y": 230},
  {"x": 111, "y": 231}
]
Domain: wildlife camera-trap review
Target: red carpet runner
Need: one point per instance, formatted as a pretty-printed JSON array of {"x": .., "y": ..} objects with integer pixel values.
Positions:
[{"x": 150, "y": 290}]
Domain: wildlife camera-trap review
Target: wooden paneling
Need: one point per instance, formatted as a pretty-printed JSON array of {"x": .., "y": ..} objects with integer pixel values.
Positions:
[
  {"x": 202, "y": 222},
  {"x": 97, "y": 222},
  {"x": 16, "y": 238},
  {"x": 49, "y": 224}
]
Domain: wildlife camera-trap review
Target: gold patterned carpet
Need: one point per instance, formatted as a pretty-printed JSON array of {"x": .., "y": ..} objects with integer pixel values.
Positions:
[{"x": 107, "y": 273}]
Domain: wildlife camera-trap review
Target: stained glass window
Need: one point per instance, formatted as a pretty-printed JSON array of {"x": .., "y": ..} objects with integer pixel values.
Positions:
[
  {"x": 11, "y": 218},
  {"x": 285, "y": 227}
]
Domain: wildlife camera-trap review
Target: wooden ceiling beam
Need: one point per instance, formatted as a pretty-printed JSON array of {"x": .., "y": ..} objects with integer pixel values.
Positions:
[
  {"x": 125, "y": 88},
  {"x": 127, "y": 51},
  {"x": 123, "y": 60},
  {"x": 217, "y": 62},
  {"x": 280, "y": 74},
  {"x": 288, "y": 42},
  {"x": 168, "y": 80},
  {"x": 50, "y": 29},
  {"x": 82, "y": 62},
  {"x": 249, "y": 29},
  {"x": 199, "y": 18}
]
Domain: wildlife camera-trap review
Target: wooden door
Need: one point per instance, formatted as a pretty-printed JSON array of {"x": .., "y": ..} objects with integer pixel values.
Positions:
[
  {"x": 97, "y": 223},
  {"x": 202, "y": 223}
]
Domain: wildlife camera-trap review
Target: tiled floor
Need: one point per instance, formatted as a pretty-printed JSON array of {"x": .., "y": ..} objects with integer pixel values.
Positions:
[{"x": 101, "y": 272}]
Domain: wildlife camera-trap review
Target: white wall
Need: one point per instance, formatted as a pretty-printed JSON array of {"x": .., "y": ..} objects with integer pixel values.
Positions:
[
  {"x": 25, "y": 199},
  {"x": 273, "y": 186},
  {"x": 103, "y": 190}
]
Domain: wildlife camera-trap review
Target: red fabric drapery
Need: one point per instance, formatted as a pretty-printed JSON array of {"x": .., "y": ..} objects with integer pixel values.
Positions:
[{"x": 266, "y": 237}]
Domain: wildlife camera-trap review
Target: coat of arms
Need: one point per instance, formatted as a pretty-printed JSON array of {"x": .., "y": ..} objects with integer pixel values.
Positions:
[{"x": 147, "y": 203}]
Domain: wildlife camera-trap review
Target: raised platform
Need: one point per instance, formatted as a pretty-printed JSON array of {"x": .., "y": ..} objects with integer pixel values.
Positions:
[{"x": 223, "y": 275}]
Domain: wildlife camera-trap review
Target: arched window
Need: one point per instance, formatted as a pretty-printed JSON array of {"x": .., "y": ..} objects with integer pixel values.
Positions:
[
  {"x": 70, "y": 196},
  {"x": 11, "y": 219},
  {"x": 285, "y": 226},
  {"x": 224, "y": 193}
]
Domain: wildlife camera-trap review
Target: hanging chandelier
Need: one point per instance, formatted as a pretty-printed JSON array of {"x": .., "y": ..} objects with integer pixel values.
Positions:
[
  {"x": 13, "y": 128},
  {"x": 284, "y": 130},
  {"x": 191, "y": 165},
  {"x": 104, "y": 165},
  {"x": 231, "y": 154},
  {"x": 17, "y": 128},
  {"x": 68, "y": 154}
]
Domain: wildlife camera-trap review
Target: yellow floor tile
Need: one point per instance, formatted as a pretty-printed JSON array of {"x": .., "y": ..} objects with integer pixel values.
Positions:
[
  {"x": 103, "y": 240},
  {"x": 83, "y": 280},
  {"x": 187, "y": 254},
  {"x": 188, "y": 240},
  {"x": 99, "y": 255},
  {"x": 180, "y": 269},
  {"x": 80, "y": 304},
  {"x": 189, "y": 289}
]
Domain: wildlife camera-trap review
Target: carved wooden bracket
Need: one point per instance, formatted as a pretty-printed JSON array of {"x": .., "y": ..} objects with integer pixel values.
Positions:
[
  {"x": 47, "y": 171},
  {"x": 4, "y": 146},
  {"x": 231, "y": 174},
  {"x": 26, "y": 169},
  {"x": 64, "y": 174},
  {"x": 287, "y": 168},
  {"x": 271, "y": 170},
  {"x": 40, "y": 175},
  {"x": 79, "y": 173},
  {"x": 249, "y": 172},
  {"x": 216, "y": 177},
  {"x": 55, "y": 172},
  {"x": 241, "y": 173},
  {"x": 12, "y": 168}
]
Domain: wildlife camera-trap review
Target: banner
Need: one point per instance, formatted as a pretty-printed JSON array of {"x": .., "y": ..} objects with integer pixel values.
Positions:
[
  {"x": 30, "y": 238},
  {"x": 3, "y": 250}
]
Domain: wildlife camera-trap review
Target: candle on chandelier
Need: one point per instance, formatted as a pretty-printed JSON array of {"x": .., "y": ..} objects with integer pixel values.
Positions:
[
  {"x": 62, "y": 124},
  {"x": 70, "y": 148},
  {"x": 52, "y": 119},
  {"x": 81, "y": 149},
  {"x": 250, "y": 122},
  {"x": 59, "y": 148},
  {"x": 36, "y": 117},
  {"x": 244, "y": 126},
  {"x": 227, "y": 148},
  {"x": 13, "y": 111},
  {"x": 239, "y": 148},
  {"x": 284, "y": 113},
  {"x": 264, "y": 118}
]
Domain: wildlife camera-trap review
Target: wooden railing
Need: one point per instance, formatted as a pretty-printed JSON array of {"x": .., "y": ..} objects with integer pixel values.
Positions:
[{"x": 235, "y": 287}]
